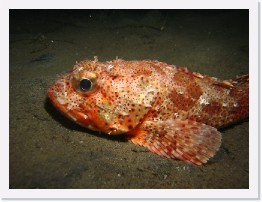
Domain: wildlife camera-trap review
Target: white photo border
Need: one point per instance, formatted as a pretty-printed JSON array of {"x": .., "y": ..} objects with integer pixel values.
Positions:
[{"x": 254, "y": 175}]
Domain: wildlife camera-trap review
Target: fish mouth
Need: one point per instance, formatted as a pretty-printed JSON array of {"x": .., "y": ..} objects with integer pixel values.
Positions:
[
  {"x": 58, "y": 105},
  {"x": 61, "y": 105}
]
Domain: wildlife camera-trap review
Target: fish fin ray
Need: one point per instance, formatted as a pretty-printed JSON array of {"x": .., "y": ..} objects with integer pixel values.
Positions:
[{"x": 185, "y": 140}]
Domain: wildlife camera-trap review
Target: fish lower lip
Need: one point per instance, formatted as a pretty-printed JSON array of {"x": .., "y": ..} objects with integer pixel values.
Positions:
[
  {"x": 81, "y": 118},
  {"x": 52, "y": 98},
  {"x": 76, "y": 116},
  {"x": 50, "y": 94},
  {"x": 55, "y": 102}
]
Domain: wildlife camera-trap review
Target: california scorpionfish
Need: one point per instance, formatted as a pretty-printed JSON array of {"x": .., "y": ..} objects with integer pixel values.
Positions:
[{"x": 168, "y": 109}]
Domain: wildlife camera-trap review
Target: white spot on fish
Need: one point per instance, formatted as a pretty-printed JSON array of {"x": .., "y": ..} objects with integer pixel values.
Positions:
[
  {"x": 61, "y": 101},
  {"x": 176, "y": 115},
  {"x": 204, "y": 100},
  {"x": 109, "y": 67},
  {"x": 80, "y": 69}
]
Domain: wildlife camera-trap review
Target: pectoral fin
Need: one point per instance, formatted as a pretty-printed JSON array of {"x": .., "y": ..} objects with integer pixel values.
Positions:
[{"x": 185, "y": 140}]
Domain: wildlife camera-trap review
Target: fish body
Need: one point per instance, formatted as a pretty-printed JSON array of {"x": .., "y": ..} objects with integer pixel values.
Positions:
[{"x": 170, "y": 110}]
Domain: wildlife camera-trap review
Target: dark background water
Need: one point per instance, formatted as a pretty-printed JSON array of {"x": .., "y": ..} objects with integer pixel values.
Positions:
[{"x": 49, "y": 151}]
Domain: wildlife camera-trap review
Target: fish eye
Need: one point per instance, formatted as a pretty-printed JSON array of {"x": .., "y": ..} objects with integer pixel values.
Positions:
[{"x": 85, "y": 84}]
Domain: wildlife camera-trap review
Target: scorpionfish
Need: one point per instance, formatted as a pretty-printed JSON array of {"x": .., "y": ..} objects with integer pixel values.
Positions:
[{"x": 168, "y": 109}]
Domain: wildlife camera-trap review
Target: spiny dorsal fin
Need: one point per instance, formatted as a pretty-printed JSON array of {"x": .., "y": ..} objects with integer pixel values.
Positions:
[{"x": 231, "y": 83}]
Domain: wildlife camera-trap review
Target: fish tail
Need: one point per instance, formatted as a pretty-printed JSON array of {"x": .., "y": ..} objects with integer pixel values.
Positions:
[
  {"x": 230, "y": 109},
  {"x": 240, "y": 94}
]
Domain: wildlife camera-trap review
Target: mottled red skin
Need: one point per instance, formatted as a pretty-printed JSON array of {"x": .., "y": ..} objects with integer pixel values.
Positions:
[{"x": 168, "y": 109}]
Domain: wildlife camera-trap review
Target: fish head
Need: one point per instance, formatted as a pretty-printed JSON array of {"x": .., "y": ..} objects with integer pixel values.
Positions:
[{"x": 108, "y": 97}]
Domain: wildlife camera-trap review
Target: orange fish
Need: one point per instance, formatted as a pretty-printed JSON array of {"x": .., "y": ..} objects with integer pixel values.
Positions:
[{"x": 170, "y": 110}]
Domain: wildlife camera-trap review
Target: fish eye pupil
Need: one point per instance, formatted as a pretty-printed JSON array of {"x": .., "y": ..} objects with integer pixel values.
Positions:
[{"x": 85, "y": 84}]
